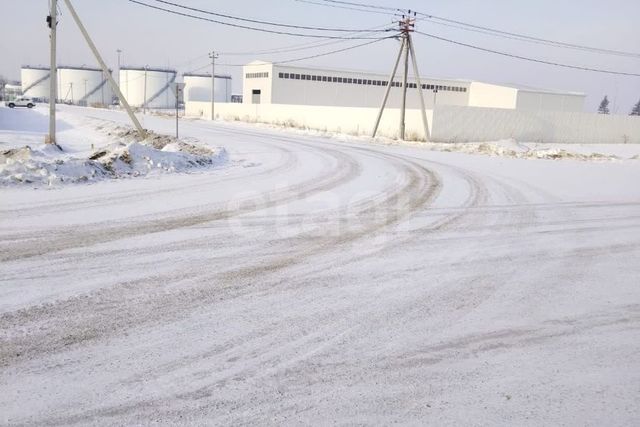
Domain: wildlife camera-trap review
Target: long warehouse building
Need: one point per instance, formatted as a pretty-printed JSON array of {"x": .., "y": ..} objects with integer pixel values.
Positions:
[{"x": 268, "y": 83}]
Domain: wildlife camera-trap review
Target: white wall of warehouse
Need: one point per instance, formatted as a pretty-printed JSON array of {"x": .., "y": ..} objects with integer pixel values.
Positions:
[
  {"x": 539, "y": 101},
  {"x": 446, "y": 124},
  {"x": 276, "y": 90}
]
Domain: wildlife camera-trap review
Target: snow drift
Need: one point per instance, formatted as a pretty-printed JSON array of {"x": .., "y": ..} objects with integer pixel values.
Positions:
[{"x": 127, "y": 157}]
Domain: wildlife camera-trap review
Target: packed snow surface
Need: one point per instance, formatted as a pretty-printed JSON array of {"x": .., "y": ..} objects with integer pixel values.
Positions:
[{"x": 319, "y": 280}]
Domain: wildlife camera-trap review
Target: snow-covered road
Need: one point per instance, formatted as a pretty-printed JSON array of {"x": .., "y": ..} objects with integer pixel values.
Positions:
[{"x": 314, "y": 281}]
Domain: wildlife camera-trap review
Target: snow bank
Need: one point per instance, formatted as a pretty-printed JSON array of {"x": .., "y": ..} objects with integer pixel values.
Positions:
[{"x": 127, "y": 157}]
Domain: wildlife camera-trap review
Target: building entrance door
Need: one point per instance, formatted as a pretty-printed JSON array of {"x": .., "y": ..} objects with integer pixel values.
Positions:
[{"x": 255, "y": 96}]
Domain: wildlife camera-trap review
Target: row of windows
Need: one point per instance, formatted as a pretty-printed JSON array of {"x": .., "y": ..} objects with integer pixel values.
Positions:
[
  {"x": 257, "y": 75},
  {"x": 349, "y": 80}
]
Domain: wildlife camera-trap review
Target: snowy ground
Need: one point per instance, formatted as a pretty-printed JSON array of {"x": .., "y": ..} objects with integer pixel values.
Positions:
[
  {"x": 94, "y": 150},
  {"x": 313, "y": 281}
]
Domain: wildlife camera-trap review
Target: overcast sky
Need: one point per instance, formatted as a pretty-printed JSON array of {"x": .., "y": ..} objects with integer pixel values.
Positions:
[{"x": 159, "y": 39}]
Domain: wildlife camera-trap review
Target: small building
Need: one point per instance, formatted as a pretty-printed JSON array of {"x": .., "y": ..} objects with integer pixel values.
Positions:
[
  {"x": 11, "y": 91},
  {"x": 268, "y": 83}
]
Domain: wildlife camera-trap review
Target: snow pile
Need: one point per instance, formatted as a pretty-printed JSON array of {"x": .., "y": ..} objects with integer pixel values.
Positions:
[
  {"x": 126, "y": 158},
  {"x": 514, "y": 149}
]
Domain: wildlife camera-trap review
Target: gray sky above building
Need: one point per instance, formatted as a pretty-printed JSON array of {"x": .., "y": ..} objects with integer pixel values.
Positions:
[{"x": 155, "y": 38}]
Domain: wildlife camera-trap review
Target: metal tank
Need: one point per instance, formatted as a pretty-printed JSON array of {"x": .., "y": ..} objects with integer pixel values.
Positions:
[
  {"x": 35, "y": 82},
  {"x": 148, "y": 87},
  {"x": 83, "y": 86},
  {"x": 198, "y": 87}
]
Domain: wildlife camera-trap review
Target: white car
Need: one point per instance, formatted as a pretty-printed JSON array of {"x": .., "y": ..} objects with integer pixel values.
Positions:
[{"x": 21, "y": 101}]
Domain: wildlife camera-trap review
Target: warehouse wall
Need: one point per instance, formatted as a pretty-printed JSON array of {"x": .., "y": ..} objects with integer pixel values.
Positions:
[
  {"x": 492, "y": 96},
  {"x": 541, "y": 101},
  {"x": 465, "y": 124},
  {"x": 305, "y": 92}
]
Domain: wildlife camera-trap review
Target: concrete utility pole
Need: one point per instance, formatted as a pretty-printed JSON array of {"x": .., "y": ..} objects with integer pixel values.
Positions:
[
  {"x": 144, "y": 101},
  {"x": 52, "y": 19},
  {"x": 105, "y": 70},
  {"x": 119, "y": 52},
  {"x": 407, "y": 26},
  {"x": 403, "y": 105},
  {"x": 213, "y": 55},
  {"x": 85, "y": 92}
]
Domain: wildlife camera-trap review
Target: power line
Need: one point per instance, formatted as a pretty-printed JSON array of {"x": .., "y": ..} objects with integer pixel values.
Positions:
[
  {"x": 335, "y": 6},
  {"x": 486, "y": 30},
  {"x": 288, "y": 61},
  {"x": 369, "y": 6},
  {"x": 255, "y": 21},
  {"x": 290, "y": 48},
  {"x": 524, "y": 58},
  {"x": 522, "y": 37}
]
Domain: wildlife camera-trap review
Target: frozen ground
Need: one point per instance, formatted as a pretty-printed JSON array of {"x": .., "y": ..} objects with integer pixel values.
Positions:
[{"x": 319, "y": 281}]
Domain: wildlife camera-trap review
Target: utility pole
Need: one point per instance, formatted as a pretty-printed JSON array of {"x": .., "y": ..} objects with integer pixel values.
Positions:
[
  {"x": 407, "y": 25},
  {"x": 403, "y": 107},
  {"x": 85, "y": 92},
  {"x": 119, "y": 52},
  {"x": 105, "y": 69},
  {"x": 213, "y": 55},
  {"x": 144, "y": 102},
  {"x": 52, "y": 19}
]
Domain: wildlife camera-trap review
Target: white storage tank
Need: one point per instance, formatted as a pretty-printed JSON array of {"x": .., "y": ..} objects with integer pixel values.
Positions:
[
  {"x": 197, "y": 87},
  {"x": 83, "y": 86},
  {"x": 35, "y": 82},
  {"x": 146, "y": 86}
]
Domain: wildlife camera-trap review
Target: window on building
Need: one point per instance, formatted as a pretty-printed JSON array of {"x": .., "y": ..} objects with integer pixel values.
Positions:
[
  {"x": 297, "y": 76},
  {"x": 313, "y": 78},
  {"x": 324, "y": 78}
]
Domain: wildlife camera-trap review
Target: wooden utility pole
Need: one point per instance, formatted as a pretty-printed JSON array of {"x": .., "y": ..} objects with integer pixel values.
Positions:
[
  {"x": 407, "y": 25},
  {"x": 52, "y": 20}
]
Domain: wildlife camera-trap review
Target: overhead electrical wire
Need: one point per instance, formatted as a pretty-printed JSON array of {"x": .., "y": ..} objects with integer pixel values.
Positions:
[
  {"x": 521, "y": 37},
  {"x": 369, "y": 6},
  {"x": 288, "y": 61},
  {"x": 540, "y": 61},
  {"x": 317, "y": 3},
  {"x": 291, "y": 48},
  {"x": 484, "y": 29},
  {"x": 254, "y": 21}
]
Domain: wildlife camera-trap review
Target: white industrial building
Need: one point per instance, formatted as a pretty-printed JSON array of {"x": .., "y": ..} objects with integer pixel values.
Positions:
[
  {"x": 268, "y": 83},
  {"x": 83, "y": 86},
  {"x": 197, "y": 87},
  {"x": 148, "y": 87}
]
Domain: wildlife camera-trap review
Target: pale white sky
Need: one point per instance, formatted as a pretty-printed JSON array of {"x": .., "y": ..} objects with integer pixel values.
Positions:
[{"x": 159, "y": 39}]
